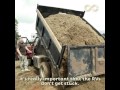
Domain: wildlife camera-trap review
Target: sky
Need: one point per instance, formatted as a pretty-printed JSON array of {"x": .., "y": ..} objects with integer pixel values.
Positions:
[{"x": 25, "y": 13}]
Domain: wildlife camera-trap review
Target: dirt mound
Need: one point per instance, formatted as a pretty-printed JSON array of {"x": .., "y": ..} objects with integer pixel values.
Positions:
[{"x": 72, "y": 30}]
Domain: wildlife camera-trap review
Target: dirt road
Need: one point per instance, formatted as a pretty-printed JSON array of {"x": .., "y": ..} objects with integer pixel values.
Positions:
[{"x": 36, "y": 85}]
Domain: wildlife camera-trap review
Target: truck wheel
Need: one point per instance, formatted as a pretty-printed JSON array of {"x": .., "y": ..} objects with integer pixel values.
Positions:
[{"x": 45, "y": 71}]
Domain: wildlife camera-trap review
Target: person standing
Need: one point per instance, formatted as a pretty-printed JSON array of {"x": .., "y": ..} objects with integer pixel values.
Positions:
[{"x": 21, "y": 50}]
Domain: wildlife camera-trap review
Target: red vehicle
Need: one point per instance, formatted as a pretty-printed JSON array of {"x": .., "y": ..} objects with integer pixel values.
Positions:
[{"x": 30, "y": 46}]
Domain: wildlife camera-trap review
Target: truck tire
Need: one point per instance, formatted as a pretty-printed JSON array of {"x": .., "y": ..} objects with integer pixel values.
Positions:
[{"x": 44, "y": 70}]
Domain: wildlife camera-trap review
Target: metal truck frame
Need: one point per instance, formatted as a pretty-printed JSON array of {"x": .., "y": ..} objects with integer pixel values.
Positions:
[{"x": 81, "y": 60}]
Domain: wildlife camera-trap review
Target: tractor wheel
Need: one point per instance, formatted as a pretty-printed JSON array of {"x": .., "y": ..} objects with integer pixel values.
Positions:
[{"x": 45, "y": 70}]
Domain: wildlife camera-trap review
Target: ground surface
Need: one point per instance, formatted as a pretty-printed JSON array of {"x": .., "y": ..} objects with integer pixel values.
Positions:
[{"x": 36, "y": 85}]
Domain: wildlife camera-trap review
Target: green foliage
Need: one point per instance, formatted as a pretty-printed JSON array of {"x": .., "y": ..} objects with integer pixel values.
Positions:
[{"x": 16, "y": 32}]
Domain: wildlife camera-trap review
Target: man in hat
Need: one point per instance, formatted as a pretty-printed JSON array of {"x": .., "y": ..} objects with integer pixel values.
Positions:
[{"x": 21, "y": 50}]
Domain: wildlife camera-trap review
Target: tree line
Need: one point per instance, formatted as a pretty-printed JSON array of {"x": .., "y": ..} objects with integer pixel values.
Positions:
[{"x": 16, "y": 31}]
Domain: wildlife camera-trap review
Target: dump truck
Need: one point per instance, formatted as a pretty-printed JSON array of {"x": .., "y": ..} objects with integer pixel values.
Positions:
[{"x": 52, "y": 58}]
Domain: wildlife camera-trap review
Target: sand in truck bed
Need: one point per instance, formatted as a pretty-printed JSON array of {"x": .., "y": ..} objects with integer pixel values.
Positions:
[{"x": 72, "y": 30}]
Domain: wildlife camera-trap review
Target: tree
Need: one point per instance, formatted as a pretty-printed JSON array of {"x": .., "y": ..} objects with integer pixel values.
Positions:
[
  {"x": 16, "y": 24},
  {"x": 16, "y": 32}
]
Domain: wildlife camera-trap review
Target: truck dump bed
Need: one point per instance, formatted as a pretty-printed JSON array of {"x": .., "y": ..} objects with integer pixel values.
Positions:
[{"x": 85, "y": 46}]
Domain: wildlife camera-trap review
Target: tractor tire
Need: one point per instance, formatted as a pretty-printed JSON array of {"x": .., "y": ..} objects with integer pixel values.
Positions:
[{"x": 45, "y": 70}]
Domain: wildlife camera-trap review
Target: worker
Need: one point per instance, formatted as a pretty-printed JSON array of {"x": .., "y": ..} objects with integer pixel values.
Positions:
[{"x": 21, "y": 50}]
